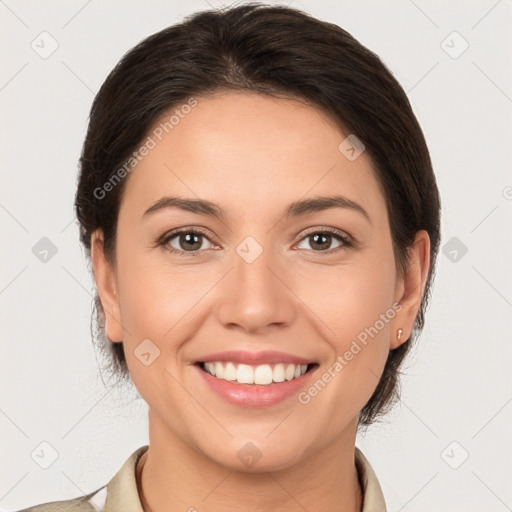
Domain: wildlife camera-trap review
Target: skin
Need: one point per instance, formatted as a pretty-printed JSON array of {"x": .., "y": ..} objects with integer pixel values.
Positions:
[{"x": 253, "y": 155}]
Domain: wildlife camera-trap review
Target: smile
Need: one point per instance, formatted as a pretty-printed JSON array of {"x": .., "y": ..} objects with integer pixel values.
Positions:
[{"x": 264, "y": 374}]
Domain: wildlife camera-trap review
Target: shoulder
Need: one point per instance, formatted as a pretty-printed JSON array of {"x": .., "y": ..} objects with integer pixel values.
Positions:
[
  {"x": 86, "y": 503},
  {"x": 119, "y": 494}
]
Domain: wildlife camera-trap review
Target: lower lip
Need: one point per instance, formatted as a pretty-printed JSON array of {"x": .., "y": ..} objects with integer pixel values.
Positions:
[{"x": 253, "y": 395}]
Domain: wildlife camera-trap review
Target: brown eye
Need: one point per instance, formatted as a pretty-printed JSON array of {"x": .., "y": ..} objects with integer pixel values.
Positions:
[
  {"x": 189, "y": 241},
  {"x": 186, "y": 242},
  {"x": 321, "y": 241}
]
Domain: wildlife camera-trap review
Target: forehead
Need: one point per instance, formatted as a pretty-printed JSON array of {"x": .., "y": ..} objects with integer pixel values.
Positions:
[{"x": 245, "y": 151}]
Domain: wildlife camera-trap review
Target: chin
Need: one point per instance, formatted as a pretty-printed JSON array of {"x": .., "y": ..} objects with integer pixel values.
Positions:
[{"x": 251, "y": 455}]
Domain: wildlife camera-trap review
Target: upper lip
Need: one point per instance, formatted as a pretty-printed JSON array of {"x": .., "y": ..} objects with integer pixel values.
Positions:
[{"x": 254, "y": 358}]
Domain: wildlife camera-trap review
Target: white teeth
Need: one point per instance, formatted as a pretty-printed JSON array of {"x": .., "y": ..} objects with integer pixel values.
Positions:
[
  {"x": 278, "y": 374},
  {"x": 229, "y": 371},
  {"x": 210, "y": 367},
  {"x": 219, "y": 370},
  {"x": 262, "y": 375},
  {"x": 289, "y": 372},
  {"x": 244, "y": 374}
]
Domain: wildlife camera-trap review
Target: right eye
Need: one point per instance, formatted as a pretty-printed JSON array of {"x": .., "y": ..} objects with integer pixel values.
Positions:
[{"x": 185, "y": 241}]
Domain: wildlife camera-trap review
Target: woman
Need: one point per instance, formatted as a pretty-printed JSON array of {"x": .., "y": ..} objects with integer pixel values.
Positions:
[{"x": 259, "y": 206}]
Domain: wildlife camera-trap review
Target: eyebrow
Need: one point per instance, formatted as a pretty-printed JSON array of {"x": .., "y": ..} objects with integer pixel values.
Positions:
[{"x": 295, "y": 209}]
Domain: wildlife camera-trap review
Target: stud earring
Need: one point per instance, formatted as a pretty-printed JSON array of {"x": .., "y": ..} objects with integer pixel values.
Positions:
[{"x": 399, "y": 333}]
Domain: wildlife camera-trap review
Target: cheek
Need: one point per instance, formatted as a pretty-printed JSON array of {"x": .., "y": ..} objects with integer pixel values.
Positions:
[
  {"x": 148, "y": 303},
  {"x": 150, "y": 306},
  {"x": 153, "y": 305},
  {"x": 351, "y": 297},
  {"x": 160, "y": 302},
  {"x": 358, "y": 313},
  {"x": 154, "y": 295},
  {"x": 360, "y": 304},
  {"x": 355, "y": 304}
]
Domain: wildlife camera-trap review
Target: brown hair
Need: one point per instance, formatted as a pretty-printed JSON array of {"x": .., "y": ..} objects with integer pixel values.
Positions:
[{"x": 272, "y": 50}]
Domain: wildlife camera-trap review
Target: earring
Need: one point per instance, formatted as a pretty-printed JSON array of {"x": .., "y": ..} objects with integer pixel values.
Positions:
[{"x": 399, "y": 333}]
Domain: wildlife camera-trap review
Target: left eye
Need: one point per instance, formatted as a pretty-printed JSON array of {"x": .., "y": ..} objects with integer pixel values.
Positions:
[{"x": 321, "y": 240}]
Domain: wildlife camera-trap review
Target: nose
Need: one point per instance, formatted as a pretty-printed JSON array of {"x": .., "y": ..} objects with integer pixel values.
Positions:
[{"x": 255, "y": 296}]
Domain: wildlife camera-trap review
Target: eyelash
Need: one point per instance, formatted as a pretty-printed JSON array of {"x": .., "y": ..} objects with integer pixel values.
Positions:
[{"x": 165, "y": 239}]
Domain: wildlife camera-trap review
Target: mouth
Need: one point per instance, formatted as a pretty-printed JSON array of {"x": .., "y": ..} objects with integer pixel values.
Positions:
[
  {"x": 255, "y": 379},
  {"x": 255, "y": 375}
]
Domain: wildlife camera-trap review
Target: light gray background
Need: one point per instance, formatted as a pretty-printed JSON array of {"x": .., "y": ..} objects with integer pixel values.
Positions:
[{"x": 457, "y": 387}]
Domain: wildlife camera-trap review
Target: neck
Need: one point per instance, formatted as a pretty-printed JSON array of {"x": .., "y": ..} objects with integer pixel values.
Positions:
[{"x": 177, "y": 477}]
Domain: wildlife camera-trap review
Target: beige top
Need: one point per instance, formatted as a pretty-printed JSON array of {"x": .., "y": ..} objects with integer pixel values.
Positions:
[{"x": 121, "y": 494}]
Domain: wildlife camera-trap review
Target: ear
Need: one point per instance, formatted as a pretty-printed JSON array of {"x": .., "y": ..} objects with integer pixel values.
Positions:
[
  {"x": 106, "y": 284},
  {"x": 410, "y": 288}
]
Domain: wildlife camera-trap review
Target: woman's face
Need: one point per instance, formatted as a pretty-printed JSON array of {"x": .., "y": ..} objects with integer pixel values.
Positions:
[{"x": 256, "y": 281}]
